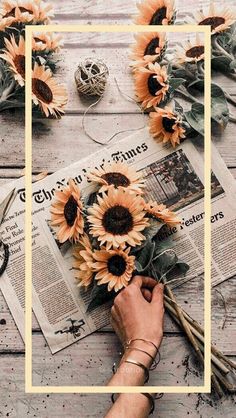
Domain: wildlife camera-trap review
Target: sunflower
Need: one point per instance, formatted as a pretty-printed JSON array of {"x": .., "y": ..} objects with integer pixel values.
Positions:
[
  {"x": 46, "y": 93},
  {"x": 17, "y": 12},
  {"x": 21, "y": 11},
  {"x": 114, "y": 267},
  {"x": 218, "y": 20},
  {"x": 119, "y": 175},
  {"x": 161, "y": 212},
  {"x": 155, "y": 12},
  {"x": 165, "y": 126},
  {"x": 148, "y": 47},
  {"x": 118, "y": 218},
  {"x": 151, "y": 84},
  {"x": 84, "y": 260},
  {"x": 15, "y": 57},
  {"x": 46, "y": 41},
  {"x": 5, "y": 23},
  {"x": 66, "y": 213},
  {"x": 191, "y": 51}
]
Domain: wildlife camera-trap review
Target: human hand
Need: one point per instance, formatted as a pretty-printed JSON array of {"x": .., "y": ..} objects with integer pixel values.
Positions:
[{"x": 138, "y": 311}]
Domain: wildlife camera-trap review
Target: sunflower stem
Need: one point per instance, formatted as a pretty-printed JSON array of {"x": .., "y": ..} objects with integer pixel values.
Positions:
[
  {"x": 200, "y": 67},
  {"x": 186, "y": 95},
  {"x": 219, "y": 48},
  {"x": 200, "y": 330},
  {"x": 232, "y": 76},
  {"x": 193, "y": 326},
  {"x": 232, "y": 119},
  {"x": 184, "y": 323},
  {"x": 180, "y": 67},
  {"x": 215, "y": 381},
  {"x": 229, "y": 98}
]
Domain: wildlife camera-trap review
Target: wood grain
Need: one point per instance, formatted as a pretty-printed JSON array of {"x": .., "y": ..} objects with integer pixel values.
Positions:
[
  {"x": 90, "y": 361},
  {"x": 93, "y": 9},
  {"x": 17, "y": 404},
  {"x": 118, "y": 62},
  {"x": 63, "y": 142}
]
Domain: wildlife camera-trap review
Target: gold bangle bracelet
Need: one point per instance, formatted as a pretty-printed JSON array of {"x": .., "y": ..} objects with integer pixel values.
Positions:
[
  {"x": 137, "y": 363},
  {"x": 140, "y": 339},
  {"x": 151, "y": 400},
  {"x": 154, "y": 363}
]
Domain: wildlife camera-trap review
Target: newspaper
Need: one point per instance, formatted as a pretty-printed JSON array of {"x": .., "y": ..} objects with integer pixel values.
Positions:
[{"x": 173, "y": 177}]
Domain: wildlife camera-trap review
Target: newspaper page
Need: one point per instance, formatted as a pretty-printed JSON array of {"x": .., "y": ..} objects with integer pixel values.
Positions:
[{"x": 174, "y": 177}]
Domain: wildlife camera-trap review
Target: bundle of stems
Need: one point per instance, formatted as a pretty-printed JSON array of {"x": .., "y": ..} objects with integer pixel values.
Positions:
[{"x": 223, "y": 377}]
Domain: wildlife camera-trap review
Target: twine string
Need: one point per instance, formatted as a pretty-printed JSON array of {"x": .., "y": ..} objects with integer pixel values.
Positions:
[
  {"x": 91, "y": 77},
  {"x": 90, "y": 83}
]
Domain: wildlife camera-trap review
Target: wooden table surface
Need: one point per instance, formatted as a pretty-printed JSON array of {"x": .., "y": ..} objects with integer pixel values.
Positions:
[{"x": 56, "y": 144}]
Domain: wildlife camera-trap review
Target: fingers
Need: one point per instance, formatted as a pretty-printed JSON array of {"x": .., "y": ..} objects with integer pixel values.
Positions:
[
  {"x": 142, "y": 281},
  {"x": 147, "y": 294},
  {"x": 157, "y": 294}
]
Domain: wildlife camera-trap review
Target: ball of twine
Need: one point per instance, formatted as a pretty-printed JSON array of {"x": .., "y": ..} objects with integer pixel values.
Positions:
[{"x": 91, "y": 77}]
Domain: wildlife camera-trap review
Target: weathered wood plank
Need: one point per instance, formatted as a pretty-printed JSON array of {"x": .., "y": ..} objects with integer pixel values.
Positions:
[
  {"x": 64, "y": 141},
  {"x": 106, "y": 9},
  {"x": 15, "y": 403},
  {"x": 118, "y": 62},
  {"x": 90, "y": 361}
]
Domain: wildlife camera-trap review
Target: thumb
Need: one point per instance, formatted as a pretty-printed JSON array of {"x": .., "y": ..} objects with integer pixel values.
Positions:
[{"x": 157, "y": 294}]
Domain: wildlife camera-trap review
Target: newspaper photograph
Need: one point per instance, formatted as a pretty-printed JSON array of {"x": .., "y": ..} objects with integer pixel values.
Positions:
[{"x": 174, "y": 177}]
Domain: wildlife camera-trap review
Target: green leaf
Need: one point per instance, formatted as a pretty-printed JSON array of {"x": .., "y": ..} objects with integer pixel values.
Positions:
[
  {"x": 164, "y": 262},
  {"x": 219, "y": 106},
  {"x": 169, "y": 68},
  {"x": 195, "y": 117},
  {"x": 233, "y": 65},
  {"x": 181, "y": 73},
  {"x": 197, "y": 84},
  {"x": 164, "y": 244},
  {"x": 153, "y": 228},
  {"x": 180, "y": 268},
  {"x": 99, "y": 296},
  {"x": 144, "y": 258},
  {"x": 176, "y": 82},
  {"x": 221, "y": 63},
  {"x": 138, "y": 266},
  {"x": 178, "y": 107}
]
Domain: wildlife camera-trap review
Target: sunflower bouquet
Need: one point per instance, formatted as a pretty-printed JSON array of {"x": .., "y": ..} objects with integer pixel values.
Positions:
[
  {"x": 162, "y": 75},
  {"x": 115, "y": 233},
  {"x": 49, "y": 98}
]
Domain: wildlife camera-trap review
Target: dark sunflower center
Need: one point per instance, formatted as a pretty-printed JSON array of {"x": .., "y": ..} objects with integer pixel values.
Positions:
[
  {"x": 195, "y": 51},
  {"x": 39, "y": 40},
  {"x": 42, "y": 91},
  {"x": 214, "y": 21},
  {"x": 117, "y": 179},
  {"x": 116, "y": 265},
  {"x": 19, "y": 62},
  {"x": 153, "y": 85},
  {"x": 158, "y": 16},
  {"x": 13, "y": 11},
  {"x": 118, "y": 220},
  {"x": 168, "y": 124},
  {"x": 151, "y": 47},
  {"x": 70, "y": 211}
]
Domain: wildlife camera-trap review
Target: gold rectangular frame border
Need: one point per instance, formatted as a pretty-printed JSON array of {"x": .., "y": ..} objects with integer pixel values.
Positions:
[{"x": 29, "y": 388}]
